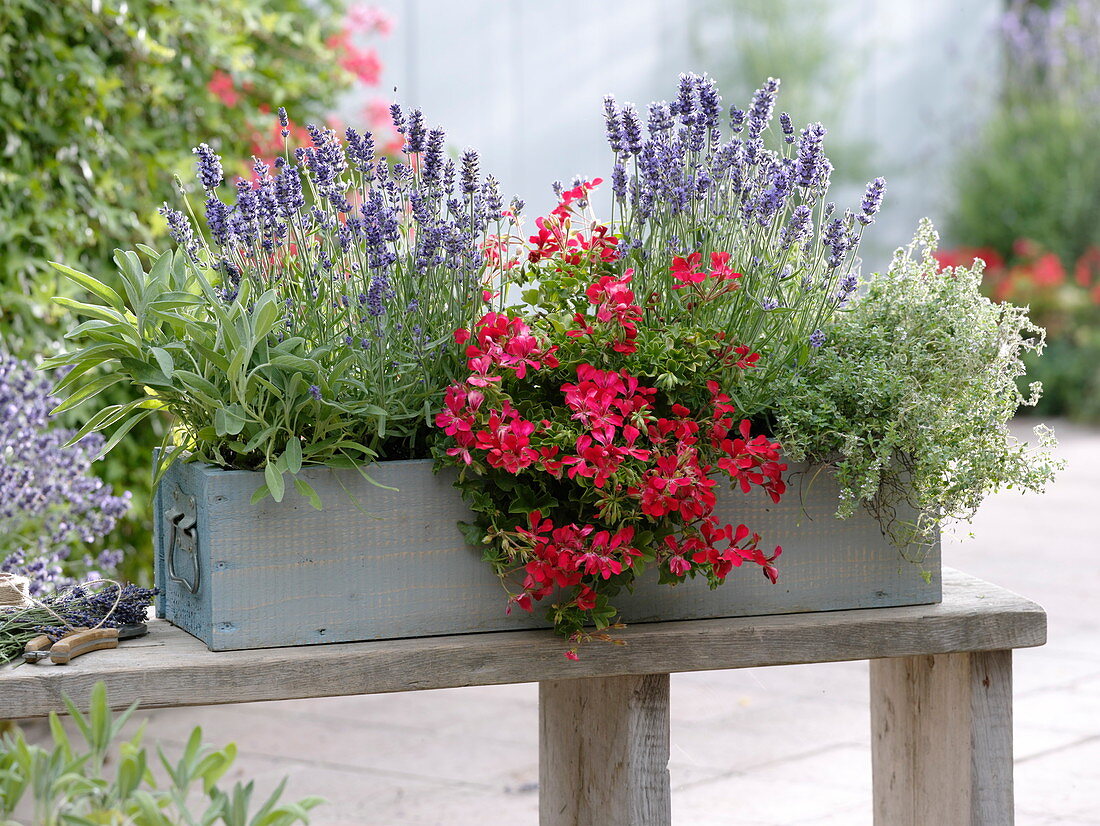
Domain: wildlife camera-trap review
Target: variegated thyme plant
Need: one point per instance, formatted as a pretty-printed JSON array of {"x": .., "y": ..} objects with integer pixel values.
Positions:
[
  {"x": 911, "y": 396},
  {"x": 312, "y": 321}
]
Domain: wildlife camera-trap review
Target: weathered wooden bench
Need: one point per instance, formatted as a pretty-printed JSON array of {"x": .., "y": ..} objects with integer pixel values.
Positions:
[{"x": 941, "y": 695}]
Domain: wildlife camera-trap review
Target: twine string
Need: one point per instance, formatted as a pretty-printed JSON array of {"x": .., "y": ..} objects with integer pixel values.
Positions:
[{"x": 15, "y": 591}]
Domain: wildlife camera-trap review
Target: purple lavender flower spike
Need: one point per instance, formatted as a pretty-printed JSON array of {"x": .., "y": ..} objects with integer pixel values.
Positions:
[
  {"x": 737, "y": 119},
  {"x": 179, "y": 227},
  {"x": 326, "y": 160},
  {"x": 284, "y": 123},
  {"x": 267, "y": 204},
  {"x": 490, "y": 191},
  {"x": 244, "y": 216},
  {"x": 763, "y": 104},
  {"x": 848, "y": 285},
  {"x": 230, "y": 287},
  {"x": 379, "y": 287},
  {"x": 872, "y": 201},
  {"x": 209, "y": 167},
  {"x": 315, "y": 391},
  {"x": 787, "y": 127},
  {"x": 811, "y": 154},
  {"x": 824, "y": 176},
  {"x": 839, "y": 241},
  {"x": 710, "y": 101},
  {"x": 361, "y": 152},
  {"x": 660, "y": 119},
  {"x": 618, "y": 181},
  {"x": 817, "y": 338},
  {"x": 398, "y": 118},
  {"x": 416, "y": 134},
  {"x": 798, "y": 226},
  {"x": 432, "y": 170},
  {"x": 217, "y": 218},
  {"x": 613, "y": 124},
  {"x": 261, "y": 168},
  {"x": 753, "y": 150},
  {"x": 288, "y": 192},
  {"x": 684, "y": 105},
  {"x": 470, "y": 170},
  {"x": 774, "y": 198},
  {"x": 631, "y": 134}
]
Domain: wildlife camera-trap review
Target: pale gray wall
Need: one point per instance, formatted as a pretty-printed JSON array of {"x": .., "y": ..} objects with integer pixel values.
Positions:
[{"x": 523, "y": 81}]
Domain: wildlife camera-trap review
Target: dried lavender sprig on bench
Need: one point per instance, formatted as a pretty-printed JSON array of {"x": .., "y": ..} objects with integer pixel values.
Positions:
[{"x": 78, "y": 606}]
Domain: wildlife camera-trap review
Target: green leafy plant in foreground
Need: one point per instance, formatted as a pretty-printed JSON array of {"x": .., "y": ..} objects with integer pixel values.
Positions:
[
  {"x": 910, "y": 396},
  {"x": 70, "y": 784}
]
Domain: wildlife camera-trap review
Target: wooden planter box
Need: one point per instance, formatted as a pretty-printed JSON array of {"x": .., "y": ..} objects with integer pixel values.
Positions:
[{"x": 380, "y": 564}]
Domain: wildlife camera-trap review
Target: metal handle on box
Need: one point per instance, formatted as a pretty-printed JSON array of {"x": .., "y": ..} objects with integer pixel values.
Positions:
[{"x": 183, "y": 535}]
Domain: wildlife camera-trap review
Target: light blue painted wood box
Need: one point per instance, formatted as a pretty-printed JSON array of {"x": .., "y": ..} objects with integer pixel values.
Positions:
[{"x": 380, "y": 564}]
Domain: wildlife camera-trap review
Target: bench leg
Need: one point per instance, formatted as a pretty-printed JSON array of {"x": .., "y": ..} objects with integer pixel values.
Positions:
[
  {"x": 941, "y": 739},
  {"x": 603, "y": 752}
]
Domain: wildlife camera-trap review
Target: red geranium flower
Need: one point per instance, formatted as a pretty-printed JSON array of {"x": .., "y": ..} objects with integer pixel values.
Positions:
[{"x": 686, "y": 270}]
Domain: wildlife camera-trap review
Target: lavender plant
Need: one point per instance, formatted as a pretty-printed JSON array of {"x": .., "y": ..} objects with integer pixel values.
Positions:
[
  {"x": 51, "y": 507},
  {"x": 684, "y": 187},
  {"x": 312, "y": 320}
]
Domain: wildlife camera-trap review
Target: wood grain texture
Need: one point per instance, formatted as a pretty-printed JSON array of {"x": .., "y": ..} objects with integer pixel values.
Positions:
[
  {"x": 603, "y": 752},
  {"x": 172, "y": 668},
  {"x": 384, "y": 564},
  {"x": 941, "y": 728}
]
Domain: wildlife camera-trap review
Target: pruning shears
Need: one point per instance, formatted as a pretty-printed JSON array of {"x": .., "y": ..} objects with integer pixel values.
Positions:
[{"x": 79, "y": 641}]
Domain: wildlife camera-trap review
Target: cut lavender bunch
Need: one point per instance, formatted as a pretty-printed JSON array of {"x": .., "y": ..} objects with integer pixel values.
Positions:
[{"x": 91, "y": 605}]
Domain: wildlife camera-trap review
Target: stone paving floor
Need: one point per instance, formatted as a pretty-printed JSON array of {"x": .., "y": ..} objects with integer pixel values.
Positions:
[{"x": 776, "y": 746}]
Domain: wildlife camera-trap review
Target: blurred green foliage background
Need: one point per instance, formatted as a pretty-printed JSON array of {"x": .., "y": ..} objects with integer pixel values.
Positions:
[
  {"x": 101, "y": 102},
  {"x": 1027, "y": 193}
]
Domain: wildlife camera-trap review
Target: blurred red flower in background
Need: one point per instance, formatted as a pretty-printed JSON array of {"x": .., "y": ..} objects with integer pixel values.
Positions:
[
  {"x": 267, "y": 138},
  {"x": 222, "y": 87}
]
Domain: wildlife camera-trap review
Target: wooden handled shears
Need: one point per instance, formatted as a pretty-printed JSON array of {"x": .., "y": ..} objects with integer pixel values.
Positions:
[{"x": 79, "y": 641}]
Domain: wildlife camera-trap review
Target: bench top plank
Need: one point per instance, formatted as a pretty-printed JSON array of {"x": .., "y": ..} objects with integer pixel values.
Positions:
[{"x": 171, "y": 668}]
